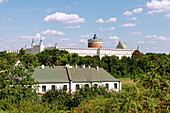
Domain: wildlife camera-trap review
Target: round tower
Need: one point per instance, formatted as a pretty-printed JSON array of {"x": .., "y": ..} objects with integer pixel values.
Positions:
[{"x": 95, "y": 42}]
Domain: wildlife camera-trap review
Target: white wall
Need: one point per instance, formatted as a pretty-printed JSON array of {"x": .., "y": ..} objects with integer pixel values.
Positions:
[
  {"x": 111, "y": 85},
  {"x": 73, "y": 86},
  {"x": 49, "y": 86}
]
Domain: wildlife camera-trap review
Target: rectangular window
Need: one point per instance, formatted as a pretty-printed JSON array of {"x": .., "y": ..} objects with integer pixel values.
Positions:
[
  {"x": 95, "y": 85},
  {"x": 77, "y": 87},
  {"x": 53, "y": 87},
  {"x": 43, "y": 88},
  {"x": 86, "y": 85},
  {"x": 107, "y": 86},
  {"x": 115, "y": 85},
  {"x": 65, "y": 87}
]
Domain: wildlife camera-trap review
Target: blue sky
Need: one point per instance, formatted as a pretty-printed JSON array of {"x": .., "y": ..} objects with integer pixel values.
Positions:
[{"x": 70, "y": 23}]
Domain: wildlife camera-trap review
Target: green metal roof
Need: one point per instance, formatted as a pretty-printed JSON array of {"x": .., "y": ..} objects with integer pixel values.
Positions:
[
  {"x": 56, "y": 74},
  {"x": 124, "y": 46},
  {"x": 90, "y": 75}
]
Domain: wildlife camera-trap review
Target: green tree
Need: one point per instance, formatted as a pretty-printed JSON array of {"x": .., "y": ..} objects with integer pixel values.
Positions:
[{"x": 16, "y": 83}]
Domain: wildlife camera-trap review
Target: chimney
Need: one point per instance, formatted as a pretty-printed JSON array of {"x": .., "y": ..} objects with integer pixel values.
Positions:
[
  {"x": 42, "y": 67},
  {"x": 97, "y": 68}
]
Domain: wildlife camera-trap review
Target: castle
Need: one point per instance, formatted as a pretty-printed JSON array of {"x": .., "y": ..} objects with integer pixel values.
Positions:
[{"x": 95, "y": 47}]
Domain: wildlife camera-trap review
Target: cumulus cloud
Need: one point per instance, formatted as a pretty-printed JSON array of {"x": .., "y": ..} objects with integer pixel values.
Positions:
[
  {"x": 52, "y": 32},
  {"x": 64, "y": 18},
  {"x": 114, "y": 38},
  {"x": 157, "y": 6},
  {"x": 71, "y": 27},
  {"x": 85, "y": 36},
  {"x": 133, "y": 18},
  {"x": 157, "y": 37},
  {"x": 136, "y": 33},
  {"x": 83, "y": 41},
  {"x": 101, "y": 29},
  {"x": 138, "y": 10},
  {"x": 128, "y": 25},
  {"x": 8, "y": 19},
  {"x": 141, "y": 42},
  {"x": 64, "y": 39},
  {"x": 135, "y": 11},
  {"x": 127, "y": 13},
  {"x": 111, "y": 28},
  {"x": 167, "y": 16},
  {"x": 100, "y": 20},
  {"x": 36, "y": 36},
  {"x": 2, "y": 1},
  {"x": 151, "y": 42}
]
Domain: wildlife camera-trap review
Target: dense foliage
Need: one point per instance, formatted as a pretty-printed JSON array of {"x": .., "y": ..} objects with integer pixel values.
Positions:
[{"x": 149, "y": 71}]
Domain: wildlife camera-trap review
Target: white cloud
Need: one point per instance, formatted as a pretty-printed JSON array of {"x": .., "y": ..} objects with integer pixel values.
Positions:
[
  {"x": 135, "y": 11},
  {"x": 71, "y": 27},
  {"x": 141, "y": 42},
  {"x": 157, "y": 6},
  {"x": 138, "y": 10},
  {"x": 128, "y": 25},
  {"x": 151, "y": 42},
  {"x": 114, "y": 38},
  {"x": 100, "y": 20},
  {"x": 133, "y": 18},
  {"x": 52, "y": 32},
  {"x": 64, "y": 39},
  {"x": 157, "y": 37},
  {"x": 8, "y": 19},
  {"x": 111, "y": 28},
  {"x": 167, "y": 16},
  {"x": 127, "y": 13},
  {"x": 83, "y": 41},
  {"x": 136, "y": 33},
  {"x": 155, "y": 48},
  {"x": 64, "y": 18},
  {"x": 2, "y": 1},
  {"x": 85, "y": 36},
  {"x": 101, "y": 29},
  {"x": 36, "y": 36}
]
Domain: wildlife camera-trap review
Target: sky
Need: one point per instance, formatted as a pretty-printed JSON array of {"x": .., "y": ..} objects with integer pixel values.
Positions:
[{"x": 70, "y": 23}]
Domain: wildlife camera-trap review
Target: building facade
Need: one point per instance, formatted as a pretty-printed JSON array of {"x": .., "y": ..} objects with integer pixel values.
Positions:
[
  {"x": 73, "y": 78},
  {"x": 95, "y": 47}
]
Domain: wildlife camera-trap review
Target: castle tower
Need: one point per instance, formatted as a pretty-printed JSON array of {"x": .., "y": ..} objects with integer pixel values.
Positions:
[
  {"x": 32, "y": 44},
  {"x": 41, "y": 45},
  {"x": 95, "y": 42}
]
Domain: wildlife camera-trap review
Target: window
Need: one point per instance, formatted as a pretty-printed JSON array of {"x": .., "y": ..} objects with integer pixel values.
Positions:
[
  {"x": 77, "y": 87},
  {"x": 95, "y": 85},
  {"x": 107, "y": 86},
  {"x": 115, "y": 85},
  {"x": 43, "y": 88},
  {"x": 65, "y": 87},
  {"x": 53, "y": 87},
  {"x": 86, "y": 85}
]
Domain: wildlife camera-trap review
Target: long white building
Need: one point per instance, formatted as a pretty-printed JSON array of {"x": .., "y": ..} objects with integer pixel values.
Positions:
[{"x": 95, "y": 47}]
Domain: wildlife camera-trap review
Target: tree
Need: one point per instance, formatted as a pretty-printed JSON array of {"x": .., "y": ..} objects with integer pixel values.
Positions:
[
  {"x": 21, "y": 52},
  {"x": 137, "y": 54},
  {"x": 16, "y": 83}
]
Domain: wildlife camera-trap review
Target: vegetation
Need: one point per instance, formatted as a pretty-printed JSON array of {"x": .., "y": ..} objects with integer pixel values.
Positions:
[{"x": 150, "y": 93}]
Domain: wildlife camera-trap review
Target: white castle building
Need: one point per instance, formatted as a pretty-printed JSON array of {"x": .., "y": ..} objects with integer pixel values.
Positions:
[{"x": 95, "y": 47}]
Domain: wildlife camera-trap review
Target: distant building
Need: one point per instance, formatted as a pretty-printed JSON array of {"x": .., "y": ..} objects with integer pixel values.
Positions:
[
  {"x": 73, "y": 78},
  {"x": 16, "y": 51},
  {"x": 7, "y": 51},
  {"x": 95, "y": 47}
]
